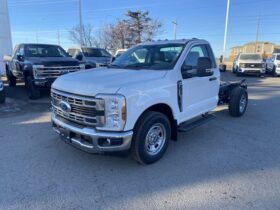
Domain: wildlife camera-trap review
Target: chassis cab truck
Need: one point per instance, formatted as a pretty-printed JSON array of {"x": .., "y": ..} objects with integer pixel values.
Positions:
[{"x": 140, "y": 101}]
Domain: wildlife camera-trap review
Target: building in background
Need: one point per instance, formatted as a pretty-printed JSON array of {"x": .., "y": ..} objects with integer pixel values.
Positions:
[
  {"x": 5, "y": 34},
  {"x": 264, "y": 48}
]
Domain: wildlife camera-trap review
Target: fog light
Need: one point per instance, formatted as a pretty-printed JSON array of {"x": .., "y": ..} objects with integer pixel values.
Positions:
[{"x": 107, "y": 142}]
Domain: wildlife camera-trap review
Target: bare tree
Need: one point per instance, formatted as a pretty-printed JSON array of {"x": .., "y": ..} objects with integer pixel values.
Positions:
[
  {"x": 83, "y": 36},
  {"x": 136, "y": 28},
  {"x": 141, "y": 27}
]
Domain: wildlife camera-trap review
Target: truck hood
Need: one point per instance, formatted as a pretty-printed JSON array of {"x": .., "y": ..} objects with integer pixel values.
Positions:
[
  {"x": 52, "y": 61},
  {"x": 103, "y": 80},
  {"x": 250, "y": 61}
]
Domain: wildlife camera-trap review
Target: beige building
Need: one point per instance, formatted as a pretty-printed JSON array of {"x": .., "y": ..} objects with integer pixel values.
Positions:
[{"x": 265, "y": 48}]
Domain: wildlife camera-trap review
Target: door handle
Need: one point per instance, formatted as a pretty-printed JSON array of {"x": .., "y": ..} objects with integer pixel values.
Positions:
[{"x": 212, "y": 79}]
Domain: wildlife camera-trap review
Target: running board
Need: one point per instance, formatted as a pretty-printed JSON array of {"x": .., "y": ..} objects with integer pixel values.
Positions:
[{"x": 191, "y": 124}]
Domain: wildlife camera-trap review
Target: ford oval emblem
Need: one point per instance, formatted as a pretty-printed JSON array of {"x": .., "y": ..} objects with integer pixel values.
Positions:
[{"x": 64, "y": 106}]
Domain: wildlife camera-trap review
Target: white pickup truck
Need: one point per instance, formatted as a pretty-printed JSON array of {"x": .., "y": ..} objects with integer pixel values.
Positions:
[
  {"x": 273, "y": 65},
  {"x": 249, "y": 63},
  {"x": 143, "y": 99}
]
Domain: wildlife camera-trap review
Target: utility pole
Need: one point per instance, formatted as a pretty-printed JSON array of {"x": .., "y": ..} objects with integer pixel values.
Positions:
[
  {"x": 81, "y": 23},
  {"x": 175, "y": 24},
  {"x": 257, "y": 35},
  {"x": 226, "y": 29},
  {"x": 58, "y": 37}
]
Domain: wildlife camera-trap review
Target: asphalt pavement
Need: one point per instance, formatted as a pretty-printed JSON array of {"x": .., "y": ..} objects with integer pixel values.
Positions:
[{"x": 229, "y": 163}]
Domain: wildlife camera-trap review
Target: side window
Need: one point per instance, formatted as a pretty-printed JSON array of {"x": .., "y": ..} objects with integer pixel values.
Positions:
[
  {"x": 190, "y": 64},
  {"x": 21, "y": 50}
]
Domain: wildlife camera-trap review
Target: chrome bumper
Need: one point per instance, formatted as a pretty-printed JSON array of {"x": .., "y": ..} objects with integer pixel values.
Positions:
[{"x": 90, "y": 140}]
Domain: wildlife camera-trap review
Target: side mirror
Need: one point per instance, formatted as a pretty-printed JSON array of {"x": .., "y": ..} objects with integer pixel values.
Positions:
[
  {"x": 79, "y": 56},
  {"x": 204, "y": 67},
  {"x": 20, "y": 57},
  {"x": 186, "y": 71}
]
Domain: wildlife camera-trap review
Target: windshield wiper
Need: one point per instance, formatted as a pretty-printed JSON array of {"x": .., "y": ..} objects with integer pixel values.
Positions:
[{"x": 136, "y": 66}]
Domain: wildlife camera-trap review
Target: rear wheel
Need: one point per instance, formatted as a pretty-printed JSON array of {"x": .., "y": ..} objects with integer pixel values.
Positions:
[
  {"x": 12, "y": 80},
  {"x": 238, "y": 102},
  {"x": 151, "y": 137},
  {"x": 33, "y": 92},
  {"x": 2, "y": 96}
]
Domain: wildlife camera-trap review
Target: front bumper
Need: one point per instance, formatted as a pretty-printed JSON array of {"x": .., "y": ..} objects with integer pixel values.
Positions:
[
  {"x": 277, "y": 70},
  {"x": 46, "y": 83},
  {"x": 90, "y": 140},
  {"x": 251, "y": 70}
]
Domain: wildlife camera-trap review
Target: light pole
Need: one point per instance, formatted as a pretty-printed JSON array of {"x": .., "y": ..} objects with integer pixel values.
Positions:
[
  {"x": 175, "y": 29},
  {"x": 81, "y": 23},
  {"x": 226, "y": 29}
]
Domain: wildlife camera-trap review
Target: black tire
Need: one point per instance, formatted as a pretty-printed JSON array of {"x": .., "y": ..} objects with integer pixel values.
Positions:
[
  {"x": 145, "y": 125},
  {"x": 274, "y": 72},
  {"x": 12, "y": 80},
  {"x": 239, "y": 74},
  {"x": 2, "y": 96},
  {"x": 33, "y": 92},
  {"x": 237, "y": 97}
]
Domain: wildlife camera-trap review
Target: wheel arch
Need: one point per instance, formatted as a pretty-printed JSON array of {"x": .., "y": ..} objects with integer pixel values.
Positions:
[{"x": 167, "y": 111}]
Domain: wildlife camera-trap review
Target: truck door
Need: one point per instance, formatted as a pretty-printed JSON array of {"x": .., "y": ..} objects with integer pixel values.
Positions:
[
  {"x": 200, "y": 94},
  {"x": 16, "y": 64}
]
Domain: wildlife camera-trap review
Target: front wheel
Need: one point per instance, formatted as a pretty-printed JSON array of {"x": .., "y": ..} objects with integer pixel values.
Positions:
[
  {"x": 33, "y": 92},
  {"x": 238, "y": 102},
  {"x": 2, "y": 96},
  {"x": 151, "y": 137},
  {"x": 12, "y": 80}
]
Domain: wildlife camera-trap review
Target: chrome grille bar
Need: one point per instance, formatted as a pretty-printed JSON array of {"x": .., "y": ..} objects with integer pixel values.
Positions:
[
  {"x": 84, "y": 110},
  {"x": 54, "y": 72}
]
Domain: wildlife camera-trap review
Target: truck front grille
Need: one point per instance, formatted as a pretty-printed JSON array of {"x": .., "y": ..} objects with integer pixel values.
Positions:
[
  {"x": 253, "y": 65},
  {"x": 83, "y": 110},
  {"x": 53, "y": 72}
]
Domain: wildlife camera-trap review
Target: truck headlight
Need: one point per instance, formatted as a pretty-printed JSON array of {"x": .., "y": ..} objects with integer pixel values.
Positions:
[
  {"x": 82, "y": 66},
  {"x": 115, "y": 112},
  {"x": 37, "y": 71},
  {"x": 241, "y": 65}
]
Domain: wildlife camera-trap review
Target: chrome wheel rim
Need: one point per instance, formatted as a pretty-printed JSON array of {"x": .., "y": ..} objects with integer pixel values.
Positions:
[
  {"x": 155, "y": 139},
  {"x": 242, "y": 103}
]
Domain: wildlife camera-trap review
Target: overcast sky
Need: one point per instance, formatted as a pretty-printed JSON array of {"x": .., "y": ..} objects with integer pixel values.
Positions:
[{"x": 46, "y": 20}]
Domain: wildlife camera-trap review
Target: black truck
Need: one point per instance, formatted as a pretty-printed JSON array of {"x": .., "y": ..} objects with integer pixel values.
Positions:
[{"x": 38, "y": 65}]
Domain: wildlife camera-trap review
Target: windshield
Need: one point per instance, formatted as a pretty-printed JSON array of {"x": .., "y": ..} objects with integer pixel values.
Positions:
[
  {"x": 157, "y": 57},
  {"x": 44, "y": 51},
  {"x": 94, "y": 52},
  {"x": 250, "y": 57}
]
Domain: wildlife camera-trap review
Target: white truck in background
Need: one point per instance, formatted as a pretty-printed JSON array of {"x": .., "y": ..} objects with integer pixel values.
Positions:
[{"x": 273, "y": 65}]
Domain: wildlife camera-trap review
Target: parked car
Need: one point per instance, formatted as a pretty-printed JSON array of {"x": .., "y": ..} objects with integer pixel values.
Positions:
[
  {"x": 248, "y": 64},
  {"x": 140, "y": 101},
  {"x": 93, "y": 57},
  {"x": 2, "y": 92},
  {"x": 119, "y": 52},
  {"x": 38, "y": 65},
  {"x": 273, "y": 65}
]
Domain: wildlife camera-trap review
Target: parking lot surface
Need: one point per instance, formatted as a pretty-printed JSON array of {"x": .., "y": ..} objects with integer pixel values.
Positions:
[{"x": 229, "y": 163}]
